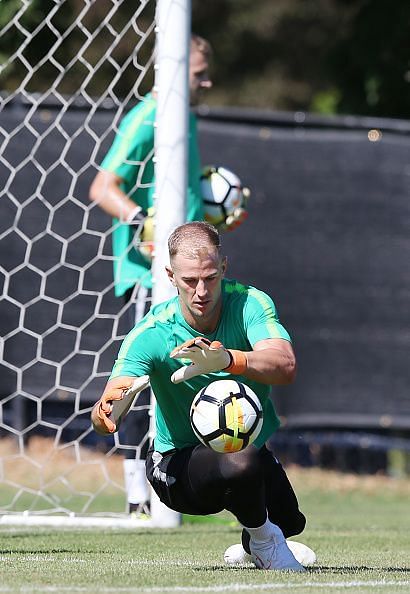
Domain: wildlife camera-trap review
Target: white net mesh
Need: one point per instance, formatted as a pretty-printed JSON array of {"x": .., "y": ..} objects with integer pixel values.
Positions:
[{"x": 70, "y": 70}]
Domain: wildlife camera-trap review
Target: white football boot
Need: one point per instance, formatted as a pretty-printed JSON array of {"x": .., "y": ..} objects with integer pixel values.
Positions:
[
  {"x": 302, "y": 553},
  {"x": 236, "y": 554},
  {"x": 274, "y": 554}
]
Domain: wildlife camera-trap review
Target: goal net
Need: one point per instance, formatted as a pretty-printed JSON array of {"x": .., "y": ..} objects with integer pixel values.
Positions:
[{"x": 70, "y": 71}]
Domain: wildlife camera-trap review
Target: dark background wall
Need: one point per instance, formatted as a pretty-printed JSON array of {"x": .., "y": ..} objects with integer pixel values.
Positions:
[{"x": 327, "y": 237}]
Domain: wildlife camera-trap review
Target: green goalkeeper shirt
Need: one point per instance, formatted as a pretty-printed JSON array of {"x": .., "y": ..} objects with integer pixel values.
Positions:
[
  {"x": 248, "y": 316},
  {"x": 130, "y": 157}
]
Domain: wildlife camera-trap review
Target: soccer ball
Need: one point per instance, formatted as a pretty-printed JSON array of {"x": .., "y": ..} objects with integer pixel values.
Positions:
[
  {"x": 222, "y": 193},
  {"x": 226, "y": 416}
]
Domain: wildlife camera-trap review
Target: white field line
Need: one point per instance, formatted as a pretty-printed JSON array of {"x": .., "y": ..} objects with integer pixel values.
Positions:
[{"x": 223, "y": 588}]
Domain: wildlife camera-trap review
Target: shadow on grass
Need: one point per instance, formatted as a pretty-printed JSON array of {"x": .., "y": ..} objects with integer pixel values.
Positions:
[
  {"x": 320, "y": 569},
  {"x": 355, "y": 569}
]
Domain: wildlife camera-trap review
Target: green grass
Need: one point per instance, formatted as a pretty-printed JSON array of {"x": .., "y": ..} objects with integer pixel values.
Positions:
[{"x": 361, "y": 539}]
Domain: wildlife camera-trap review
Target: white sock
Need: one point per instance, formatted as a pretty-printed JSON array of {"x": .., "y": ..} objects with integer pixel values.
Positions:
[
  {"x": 261, "y": 533},
  {"x": 136, "y": 484},
  {"x": 267, "y": 532}
]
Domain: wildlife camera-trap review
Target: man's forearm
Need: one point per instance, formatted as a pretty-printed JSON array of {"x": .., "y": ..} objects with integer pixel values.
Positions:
[
  {"x": 106, "y": 192},
  {"x": 271, "y": 366}
]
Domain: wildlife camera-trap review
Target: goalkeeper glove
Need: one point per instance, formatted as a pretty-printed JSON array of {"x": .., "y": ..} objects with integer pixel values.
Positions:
[
  {"x": 115, "y": 403},
  {"x": 142, "y": 221},
  {"x": 137, "y": 218},
  {"x": 239, "y": 215},
  {"x": 205, "y": 357}
]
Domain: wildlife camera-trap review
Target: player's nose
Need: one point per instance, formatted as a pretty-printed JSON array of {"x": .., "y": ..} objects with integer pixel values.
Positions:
[{"x": 201, "y": 289}]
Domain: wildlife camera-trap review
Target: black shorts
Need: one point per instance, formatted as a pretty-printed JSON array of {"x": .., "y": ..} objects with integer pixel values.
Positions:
[
  {"x": 169, "y": 477},
  {"x": 195, "y": 480}
]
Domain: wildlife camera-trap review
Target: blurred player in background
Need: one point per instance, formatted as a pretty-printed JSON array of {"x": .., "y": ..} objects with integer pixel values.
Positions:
[
  {"x": 208, "y": 313},
  {"x": 124, "y": 188}
]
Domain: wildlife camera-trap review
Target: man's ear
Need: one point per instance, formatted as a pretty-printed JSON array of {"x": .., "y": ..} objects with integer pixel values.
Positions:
[
  {"x": 224, "y": 265},
  {"x": 170, "y": 274}
]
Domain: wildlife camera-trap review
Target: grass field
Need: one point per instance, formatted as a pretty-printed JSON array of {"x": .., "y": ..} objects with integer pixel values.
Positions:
[{"x": 358, "y": 526}]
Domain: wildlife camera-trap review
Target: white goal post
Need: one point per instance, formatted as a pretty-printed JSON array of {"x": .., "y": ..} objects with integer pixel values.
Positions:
[{"x": 67, "y": 79}]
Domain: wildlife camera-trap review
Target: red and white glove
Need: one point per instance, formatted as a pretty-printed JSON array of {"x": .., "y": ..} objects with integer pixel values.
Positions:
[
  {"x": 239, "y": 215},
  {"x": 115, "y": 402},
  {"x": 136, "y": 219},
  {"x": 206, "y": 357},
  {"x": 142, "y": 221}
]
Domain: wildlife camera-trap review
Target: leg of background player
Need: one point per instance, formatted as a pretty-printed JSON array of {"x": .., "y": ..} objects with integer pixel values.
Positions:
[
  {"x": 135, "y": 434},
  {"x": 136, "y": 424}
]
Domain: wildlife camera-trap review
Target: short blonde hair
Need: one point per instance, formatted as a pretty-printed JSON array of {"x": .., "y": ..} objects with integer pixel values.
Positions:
[
  {"x": 200, "y": 44},
  {"x": 191, "y": 238}
]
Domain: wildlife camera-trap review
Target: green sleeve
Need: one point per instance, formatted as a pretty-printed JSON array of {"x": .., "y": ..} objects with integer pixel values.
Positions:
[
  {"x": 135, "y": 357},
  {"x": 261, "y": 317},
  {"x": 133, "y": 144}
]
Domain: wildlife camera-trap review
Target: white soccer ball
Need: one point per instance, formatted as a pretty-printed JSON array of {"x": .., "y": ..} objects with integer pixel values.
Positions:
[
  {"x": 222, "y": 193},
  {"x": 226, "y": 416}
]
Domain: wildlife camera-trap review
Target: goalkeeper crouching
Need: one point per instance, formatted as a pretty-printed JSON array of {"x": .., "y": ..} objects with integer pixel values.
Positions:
[{"x": 214, "y": 328}]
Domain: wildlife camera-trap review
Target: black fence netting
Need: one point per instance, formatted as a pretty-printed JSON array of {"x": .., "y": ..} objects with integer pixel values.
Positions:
[{"x": 327, "y": 237}]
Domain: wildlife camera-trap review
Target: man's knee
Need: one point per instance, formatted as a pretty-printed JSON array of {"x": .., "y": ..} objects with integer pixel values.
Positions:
[
  {"x": 242, "y": 466},
  {"x": 294, "y": 525}
]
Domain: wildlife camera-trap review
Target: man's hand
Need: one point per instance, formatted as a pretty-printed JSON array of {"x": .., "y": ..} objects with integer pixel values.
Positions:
[
  {"x": 147, "y": 235},
  {"x": 239, "y": 215},
  {"x": 115, "y": 402},
  {"x": 206, "y": 357},
  {"x": 142, "y": 222},
  {"x": 234, "y": 220}
]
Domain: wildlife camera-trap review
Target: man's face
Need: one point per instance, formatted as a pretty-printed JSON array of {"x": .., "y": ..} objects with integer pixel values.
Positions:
[
  {"x": 198, "y": 281},
  {"x": 198, "y": 75}
]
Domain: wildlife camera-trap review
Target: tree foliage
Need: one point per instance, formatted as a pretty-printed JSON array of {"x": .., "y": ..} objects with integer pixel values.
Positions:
[
  {"x": 370, "y": 64},
  {"x": 328, "y": 56},
  {"x": 72, "y": 45},
  {"x": 335, "y": 56}
]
